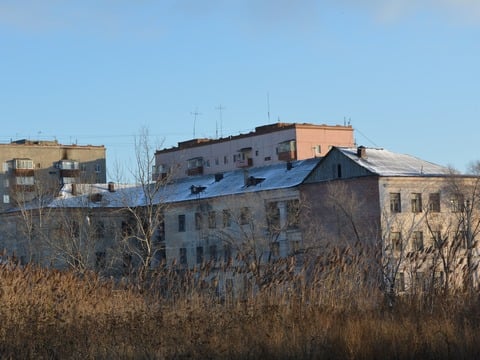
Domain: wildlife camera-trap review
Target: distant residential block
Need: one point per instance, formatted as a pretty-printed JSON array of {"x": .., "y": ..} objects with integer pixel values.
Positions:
[
  {"x": 32, "y": 168},
  {"x": 267, "y": 145}
]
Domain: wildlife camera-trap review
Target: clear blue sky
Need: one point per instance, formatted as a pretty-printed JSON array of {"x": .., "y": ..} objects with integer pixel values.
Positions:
[{"x": 405, "y": 73}]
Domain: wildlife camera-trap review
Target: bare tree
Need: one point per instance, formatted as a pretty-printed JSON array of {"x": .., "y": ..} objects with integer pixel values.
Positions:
[{"x": 143, "y": 230}]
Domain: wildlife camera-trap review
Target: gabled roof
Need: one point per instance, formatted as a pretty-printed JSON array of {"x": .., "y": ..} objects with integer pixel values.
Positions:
[
  {"x": 386, "y": 163},
  {"x": 278, "y": 176}
]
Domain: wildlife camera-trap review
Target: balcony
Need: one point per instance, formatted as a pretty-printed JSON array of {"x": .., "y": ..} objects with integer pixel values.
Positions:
[
  {"x": 244, "y": 163},
  {"x": 23, "y": 172},
  {"x": 73, "y": 173},
  {"x": 195, "y": 171},
  {"x": 195, "y": 166},
  {"x": 287, "y": 155},
  {"x": 287, "y": 150}
]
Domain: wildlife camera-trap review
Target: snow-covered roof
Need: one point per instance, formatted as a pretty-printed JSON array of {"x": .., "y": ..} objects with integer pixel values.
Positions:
[
  {"x": 386, "y": 163},
  {"x": 278, "y": 176}
]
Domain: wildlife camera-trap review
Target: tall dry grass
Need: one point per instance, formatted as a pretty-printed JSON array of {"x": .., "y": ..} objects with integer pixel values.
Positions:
[{"x": 46, "y": 314}]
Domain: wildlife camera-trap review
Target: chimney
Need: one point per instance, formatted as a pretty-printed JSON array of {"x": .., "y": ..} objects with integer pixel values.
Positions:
[
  {"x": 74, "y": 189},
  {"x": 111, "y": 186},
  {"x": 362, "y": 152},
  {"x": 289, "y": 165},
  {"x": 218, "y": 177}
]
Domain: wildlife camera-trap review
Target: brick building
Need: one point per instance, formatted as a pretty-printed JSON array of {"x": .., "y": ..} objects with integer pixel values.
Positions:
[{"x": 31, "y": 168}]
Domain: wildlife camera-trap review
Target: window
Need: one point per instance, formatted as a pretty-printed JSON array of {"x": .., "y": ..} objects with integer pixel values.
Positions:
[
  {"x": 25, "y": 180},
  {"x": 227, "y": 218},
  {"x": 181, "y": 223},
  {"x": 244, "y": 215},
  {"x": 217, "y": 161},
  {"x": 23, "y": 164},
  {"x": 293, "y": 213},
  {"x": 5, "y": 167},
  {"x": 339, "y": 170},
  {"x": 126, "y": 229},
  {"x": 275, "y": 248},
  {"x": 256, "y": 152},
  {"x": 161, "y": 254},
  {"x": 434, "y": 202},
  {"x": 227, "y": 253},
  {"x": 100, "y": 229},
  {"x": 6, "y": 183},
  {"x": 225, "y": 160},
  {"x": 68, "y": 165},
  {"x": 395, "y": 204},
  {"x": 420, "y": 281},
  {"x": 199, "y": 254},
  {"x": 267, "y": 158},
  {"x": 98, "y": 168},
  {"x": 416, "y": 202},
  {"x": 212, "y": 222},
  {"x": 273, "y": 217},
  {"x": 295, "y": 246},
  {"x": 198, "y": 221},
  {"x": 183, "y": 256},
  {"x": 127, "y": 263},
  {"x": 6, "y": 199},
  {"x": 457, "y": 202},
  {"x": 437, "y": 240},
  {"x": 213, "y": 252},
  {"x": 418, "y": 240},
  {"x": 460, "y": 239},
  {"x": 400, "y": 281},
  {"x": 100, "y": 260},
  {"x": 396, "y": 241}
]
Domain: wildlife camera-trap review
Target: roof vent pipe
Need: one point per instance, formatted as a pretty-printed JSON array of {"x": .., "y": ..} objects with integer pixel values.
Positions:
[
  {"x": 111, "y": 186},
  {"x": 74, "y": 189}
]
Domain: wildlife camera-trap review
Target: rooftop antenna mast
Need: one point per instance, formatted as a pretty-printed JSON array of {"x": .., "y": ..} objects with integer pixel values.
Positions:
[
  {"x": 268, "y": 107},
  {"x": 220, "y": 108},
  {"x": 195, "y": 114}
]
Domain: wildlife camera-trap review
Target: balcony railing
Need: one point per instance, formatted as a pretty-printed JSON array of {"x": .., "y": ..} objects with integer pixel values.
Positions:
[
  {"x": 195, "y": 171},
  {"x": 244, "y": 163},
  {"x": 287, "y": 155}
]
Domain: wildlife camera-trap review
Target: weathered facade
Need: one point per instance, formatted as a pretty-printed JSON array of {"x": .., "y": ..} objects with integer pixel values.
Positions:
[
  {"x": 415, "y": 221},
  {"x": 421, "y": 218}
]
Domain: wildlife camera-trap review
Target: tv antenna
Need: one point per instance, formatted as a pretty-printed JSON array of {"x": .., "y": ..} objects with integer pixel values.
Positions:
[
  {"x": 268, "y": 107},
  {"x": 219, "y": 108},
  {"x": 195, "y": 114}
]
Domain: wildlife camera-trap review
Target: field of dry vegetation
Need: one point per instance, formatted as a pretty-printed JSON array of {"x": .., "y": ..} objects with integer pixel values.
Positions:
[{"x": 48, "y": 314}]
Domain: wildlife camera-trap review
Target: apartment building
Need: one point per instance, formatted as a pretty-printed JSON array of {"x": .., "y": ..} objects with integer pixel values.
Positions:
[
  {"x": 418, "y": 216},
  {"x": 409, "y": 212},
  {"x": 267, "y": 145},
  {"x": 38, "y": 167}
]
